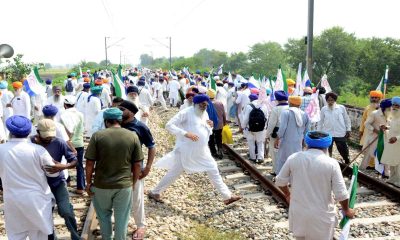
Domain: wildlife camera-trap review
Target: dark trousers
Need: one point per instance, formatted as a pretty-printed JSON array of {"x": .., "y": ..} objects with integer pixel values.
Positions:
[
  {"x": 65, "y": 209},
  {"x": 80, "y": 172},
  {"x": 341, "y": 145},
  {"x": 215, "y": 139}
]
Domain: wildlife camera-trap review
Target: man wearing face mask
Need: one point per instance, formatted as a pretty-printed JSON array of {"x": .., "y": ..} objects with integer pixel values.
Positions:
[
  {"x": 374, "y": 98},
  {"x": 392, "y": 144},
  {"x": 191, "y": 154},
  {"x": 21, "y": 102}
]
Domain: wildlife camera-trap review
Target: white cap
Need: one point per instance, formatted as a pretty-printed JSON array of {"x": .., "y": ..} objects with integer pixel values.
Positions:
[{"x": 70, "y": 100}]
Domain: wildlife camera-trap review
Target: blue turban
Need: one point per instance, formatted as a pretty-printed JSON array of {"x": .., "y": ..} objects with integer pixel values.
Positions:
[
  {"x": 197, "y": 71},
  {"x": 242, "y": 85},
  {"x": 50, "y": 110},
  {"x": 3, "y": 84},
  {"x": 396, "y": 100},
  {"x": 86, "y": 85},
  {"x": 199, "y": 98},
  {"x": 19, "y": 126},
  {"x": 280, "y": 95},
  {"x": 253, "y": 97},
  {"x": 96, "y": 89},
  {"x": 317, "y": 139},
  {"x": 203, "y": 84},
  {"x": 112, "y": 114},
  {"x": 268, "y": 91},
  {"x": 132, "y": 89},
  {"x": 142, "y": 78},
  {"x": 141, "y": 83},
  {"x": 385, "y": 103},
  {"x": 48, "y": 81}
]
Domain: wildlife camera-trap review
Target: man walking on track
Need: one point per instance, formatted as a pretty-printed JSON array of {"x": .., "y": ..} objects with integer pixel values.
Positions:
[
  {"x": 191, "y": 153},
  {"x": 117, "y": 154},
  {"x": 313, "y": 177}
]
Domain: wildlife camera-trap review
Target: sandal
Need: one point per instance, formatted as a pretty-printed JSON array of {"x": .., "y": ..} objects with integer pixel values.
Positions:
[
  {"x": 155, "y": 197},
  {"x": 139, "y": 233},
  {"x": 232, "y": 200}
]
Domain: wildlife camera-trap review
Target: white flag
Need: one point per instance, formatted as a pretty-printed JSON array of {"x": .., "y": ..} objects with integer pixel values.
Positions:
[
  {"x": 299, "y": 85},
  {"x": 325, "y": 83}
]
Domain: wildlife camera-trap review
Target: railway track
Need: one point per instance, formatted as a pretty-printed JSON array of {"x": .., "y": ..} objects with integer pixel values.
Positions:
[{"x": 377, "y": 207}]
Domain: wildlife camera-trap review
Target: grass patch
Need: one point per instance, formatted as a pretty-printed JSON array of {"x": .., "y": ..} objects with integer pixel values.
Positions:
[{"x": 202, "y": 232}]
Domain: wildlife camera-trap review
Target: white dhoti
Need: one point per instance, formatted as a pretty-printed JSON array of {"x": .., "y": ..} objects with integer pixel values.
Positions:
[
  {"x": 253, "y": 139},
  {"x": 177, "y": 169}
]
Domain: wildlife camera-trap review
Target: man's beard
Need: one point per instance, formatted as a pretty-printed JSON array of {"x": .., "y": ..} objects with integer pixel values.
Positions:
[
  {"x": 197, "y": 110},
  {"x": 395, "y": 113},
  {"x": 56, "y": 98},
  {"x": 374, "y": 105}
]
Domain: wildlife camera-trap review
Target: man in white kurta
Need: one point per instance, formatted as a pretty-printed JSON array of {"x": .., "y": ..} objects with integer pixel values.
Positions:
[
  {"x": 81, "y": 98},
  {"x": 93, "y": 107},
  {"x": 174, "y": 87},
  {"x": 314, "y": 178},
  {"x": 146, "y": 101},
  {"x": 390, "y": 154},
  {"x": 222, "y": 95},
  {"x": 21, "y": 102},
  {"x": 191, "y": 153},
  {"x": 242, "y": 100},
  {"x": 6, "y": 97},
  {"x": 254, "y": 138},
  {"x": 372, "y": 126},
  {"x": 27, "y": 196},
  {"x": 158, "y": 94},
  {"x": 273, "y": 124}
]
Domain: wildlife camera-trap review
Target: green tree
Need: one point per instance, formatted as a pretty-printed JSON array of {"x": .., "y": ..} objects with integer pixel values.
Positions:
[
  {"x": 16, "y": 70},
  {"x": 265, "y": 58},
  {"x": 237, "y": 62},
  {"x": 146, "y": 60}
]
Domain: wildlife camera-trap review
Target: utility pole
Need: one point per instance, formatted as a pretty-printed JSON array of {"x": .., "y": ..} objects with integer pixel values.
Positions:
[
  {"x": 105, "y": 46},
  {"x": 170, "y": 55},
  {"x": 309, "y": 61}
]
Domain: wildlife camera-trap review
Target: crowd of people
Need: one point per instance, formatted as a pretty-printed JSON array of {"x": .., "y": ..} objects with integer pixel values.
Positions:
[{"x": 43, "y": 138}]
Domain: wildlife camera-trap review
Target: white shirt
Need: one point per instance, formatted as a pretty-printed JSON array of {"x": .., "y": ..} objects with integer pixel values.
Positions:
[
  {"x": 22, "y": 105},
  {"x": 315, "y": 179},
  {"x": 174, "y": 86},
  {"x": 246, "y": 113},
  {"x": 27, "y": 196},
  {"x": 81, "y": 101},
  {"x": 74, "y": 85},
  {"x": 145, "y": 98},
  {"x": 335, "y": 121},
  {"x": 274, "y": 117},
  {"x": 98, "y": 123}
]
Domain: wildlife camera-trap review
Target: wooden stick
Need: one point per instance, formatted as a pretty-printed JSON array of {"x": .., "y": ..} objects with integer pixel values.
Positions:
[{"x": 347, "y": 165}]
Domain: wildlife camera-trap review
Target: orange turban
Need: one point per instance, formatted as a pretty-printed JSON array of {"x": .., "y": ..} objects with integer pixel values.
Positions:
[
  {"x": 377, "y": 94},
  {"x": 295, "y": 100},
  {"x": 17, "y": 85},
  {"x": 86, "y": 79},
  {"x": 105, "y": 80}
]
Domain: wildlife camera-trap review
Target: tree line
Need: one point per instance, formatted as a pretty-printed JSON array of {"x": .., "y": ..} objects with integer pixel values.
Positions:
[{"x": 352, "y": 64}]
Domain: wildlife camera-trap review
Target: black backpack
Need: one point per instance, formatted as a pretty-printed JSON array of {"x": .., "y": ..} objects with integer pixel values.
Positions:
[
  {"x": 69, "y": 87},
  {"x": 257, "y": 119}
]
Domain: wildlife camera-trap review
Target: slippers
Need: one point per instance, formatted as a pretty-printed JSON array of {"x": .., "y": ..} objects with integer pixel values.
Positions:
[
  {"x": 139, "y": 233},
  {"x": 78, "y": 192},
  {"x": 232, "y": 200},
  {"x": 155, "y": 197}
]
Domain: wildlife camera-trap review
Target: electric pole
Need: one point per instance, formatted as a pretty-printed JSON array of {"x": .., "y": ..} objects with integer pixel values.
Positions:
[
  {"x": 170, "y": 55},
  {"x": 309, "y": 61},
  {"x": 105, "y": 46}
]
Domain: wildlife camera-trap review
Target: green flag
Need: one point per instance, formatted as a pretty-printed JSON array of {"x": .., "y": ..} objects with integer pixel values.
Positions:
[
  {"x": 345, "y": 223},
  {"x": 213, "y": 83},
  {"x": 119, "y": 71},
  {"x": 118, "y": 86},
  {"x": 36, "y": 72},
  {"x": 381, "y": 145}
]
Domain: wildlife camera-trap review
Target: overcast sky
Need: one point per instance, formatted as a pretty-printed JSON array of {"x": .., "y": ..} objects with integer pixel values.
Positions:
[{"x": 62, "y": 32}]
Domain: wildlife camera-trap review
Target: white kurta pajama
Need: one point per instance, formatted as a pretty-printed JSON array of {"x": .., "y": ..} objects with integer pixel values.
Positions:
[
  {"x": 93, "y": 107},
  {"x": 390, "y": 154},
  {"x": 254, "y": 138},
  {"x": 21, "y": 105},
  {"x": 146, "y": 101},
  {"x": 6, "y": 97},
  {"x": 28, "y": 199},
  {"x": 313, "y": 177},
  {"x": 174, "y": 87},
  {"x": 158, "y": 94},
  {"x": 190, "y": 156}
]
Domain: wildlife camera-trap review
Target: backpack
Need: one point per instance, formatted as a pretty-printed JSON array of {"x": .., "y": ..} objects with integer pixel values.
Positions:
[
  {"x": 69, "y": 87},
  {"x": 257, "y": 119}
]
